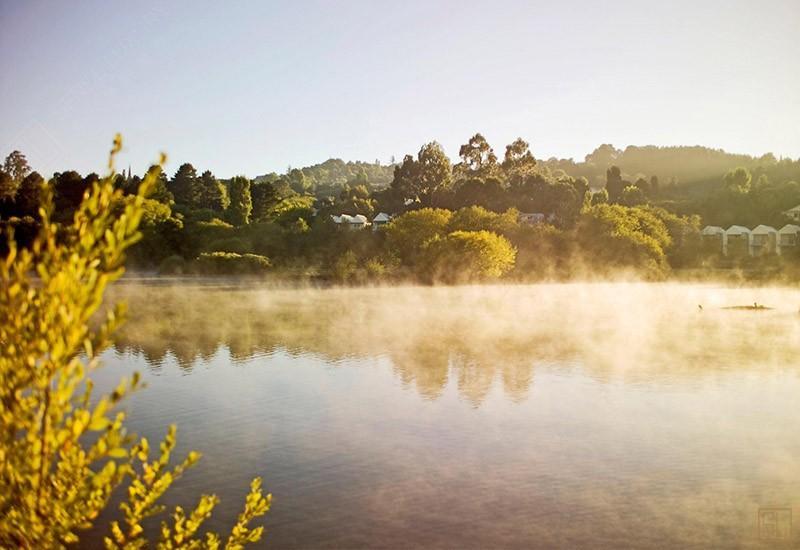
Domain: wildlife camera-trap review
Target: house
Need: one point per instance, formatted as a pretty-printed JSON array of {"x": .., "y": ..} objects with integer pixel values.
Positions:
[
  {"x": 531, "y": 218},
  {"x": 380, "y": 220},
  {"x": 737, "y": 241},
  {"x": 793, "y": 213},
  {"x": 356, "y": 222},
  {"x": 763, "y": 240},
  {"x": 788, "y": 238},
  {"x": 714, "y": 239}
]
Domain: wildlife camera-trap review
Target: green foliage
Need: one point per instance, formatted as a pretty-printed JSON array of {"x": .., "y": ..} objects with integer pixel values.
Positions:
[
  {"x": 63, "y": 452},
  {"x": 230, "y": 244},
  {"x": 241, "y": 205},
  {"x": 230, "y": 263},
  {"x": 159, "y": 191},
  {"x": 465, "y": 256},
  {"x": 423, "y": 178},
  {"x": 615, "y": 237},
  {"x": 476, "y": 218},
  {"x": 212, "y": 194},
  {"x": 16, "y": 166},
  {"x": 69, "y": 190},
  {"x": 632, "y": 196},
  {"x": 407, "y": 235},
  {"x": 477, "y": 159},
  {"x": 290, "y": 209},
  {"x": 614, "y": 183},
  {"x": 345, "y": 267},
  {"x": 738, "y": 181},
  {"x": 8, "y": 187},
  {"x": 518, "y": 161},
  {"x": 265, "y": 197},
  {"x": 600, "y": 197},
  {"x": 185, "y": 186}
]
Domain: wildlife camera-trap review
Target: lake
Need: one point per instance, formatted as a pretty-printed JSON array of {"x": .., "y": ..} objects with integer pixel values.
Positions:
[{"x": 560, "y": 415}]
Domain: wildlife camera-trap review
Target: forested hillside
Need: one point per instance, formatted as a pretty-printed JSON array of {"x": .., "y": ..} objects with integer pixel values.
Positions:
[{"x": 485, "y": 215}]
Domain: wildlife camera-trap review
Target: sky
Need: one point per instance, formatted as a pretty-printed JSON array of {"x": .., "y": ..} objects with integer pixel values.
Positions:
[{"x": 254, "y": 87}]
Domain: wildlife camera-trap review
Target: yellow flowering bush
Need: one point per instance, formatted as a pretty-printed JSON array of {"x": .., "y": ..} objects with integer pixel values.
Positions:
[{"x": 62, "y": 453}]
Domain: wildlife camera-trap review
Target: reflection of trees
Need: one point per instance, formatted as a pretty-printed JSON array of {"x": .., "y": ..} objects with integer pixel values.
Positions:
[
  {"x": 475, "y": 338},
  {"x": 426, "y": 367}
]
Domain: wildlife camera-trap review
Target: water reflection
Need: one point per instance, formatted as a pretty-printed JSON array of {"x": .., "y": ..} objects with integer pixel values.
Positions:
[
  {"x": 532, "y": 416},
  {"x": 473, "y": 336}
]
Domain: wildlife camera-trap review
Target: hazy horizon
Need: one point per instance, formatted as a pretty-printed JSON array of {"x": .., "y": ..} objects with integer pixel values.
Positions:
[{"x": 251, "y": 88}]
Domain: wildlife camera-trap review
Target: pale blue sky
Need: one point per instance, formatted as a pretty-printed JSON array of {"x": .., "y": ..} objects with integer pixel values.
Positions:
[{"x": 251, "y": 87}]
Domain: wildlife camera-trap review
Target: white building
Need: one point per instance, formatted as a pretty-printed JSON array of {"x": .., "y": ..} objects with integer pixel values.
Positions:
[
  {"x": 714, "y": 237},
  {"x": 737, "y": 240},
  {"x": 380, "y": 220},
  {"x": 356, "y": 222},
  {"x": 788, "y": 238},
  {"x": 793, "y": 213},
  {"x": 763, "y": 240}
]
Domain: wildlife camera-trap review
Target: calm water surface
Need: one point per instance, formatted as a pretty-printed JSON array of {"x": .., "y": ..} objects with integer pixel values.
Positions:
[{"x": 605, "y": 415}]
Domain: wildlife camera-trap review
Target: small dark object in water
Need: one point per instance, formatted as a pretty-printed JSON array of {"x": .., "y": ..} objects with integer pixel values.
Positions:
[
  {"x": 755, "y": 307},
  {"x": 699, "y": 307}
]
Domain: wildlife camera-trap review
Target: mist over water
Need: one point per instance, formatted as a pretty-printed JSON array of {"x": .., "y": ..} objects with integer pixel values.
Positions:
[{"x": 614, "y": 414}]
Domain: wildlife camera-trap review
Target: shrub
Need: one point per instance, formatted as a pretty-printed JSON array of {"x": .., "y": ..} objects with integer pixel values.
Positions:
[
  {"x": 345, "y": 267},
  {"x": 409, "y": 234},
  {"x": 230, "y": 263},
  {"x": 465, "y": 256},
  {"x": 230, "y": 244},
  {"x": 62, "y": 450}
]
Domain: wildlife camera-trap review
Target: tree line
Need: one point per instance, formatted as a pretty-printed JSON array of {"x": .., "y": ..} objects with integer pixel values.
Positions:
[{"x": 453, "y": 221}]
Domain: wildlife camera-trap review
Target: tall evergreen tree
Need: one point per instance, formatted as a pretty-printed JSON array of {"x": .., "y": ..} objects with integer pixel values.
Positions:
[
  {"x": 614, "y": 183},
  {"x": 213, "y": 194},
  {"x": 264, "y": 196},
  {"x": 241, "y": 205},
  {"x": 185, "y": 186}
]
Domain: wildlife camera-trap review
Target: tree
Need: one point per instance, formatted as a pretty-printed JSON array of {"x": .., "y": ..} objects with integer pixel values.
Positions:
[
  {"x": 160, "y": 191},
  {"x": 464, "y": 256},
  {"x": 69, "y": 187},
  {"x": 738, "y": 181},
  {"x": 29, "y": 196},
  {"x": 423, "y": 178},
  {"x": 518, "y": 161},
  {"x": 488, "y": 193},
  {"x": 185, "y": 186},
  {"x": 614, "y": 184},
  {"x": 614, "y": 235},
  {"x": 476, "y": 218},
  {"x": 298, "y": 181},
  {"x": 477, "y": 159},
  {"x": 213, "y": 194},
  {"x": 603, "y": 156},
  {"x": 265, "y": 197},
  {"x": 632, "y": 196},
  {"x": 408, "y": 234},
  {"x": 16, "y": 166},
  {"x": 64, "y": 450},
  {"x": 241, "y": 206},
  {"x": 600, "y": 197},
  {"x": 8, "y": 187},
  {"x": 655, "y": 188},
  {"x": 643, "y": 184}
]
